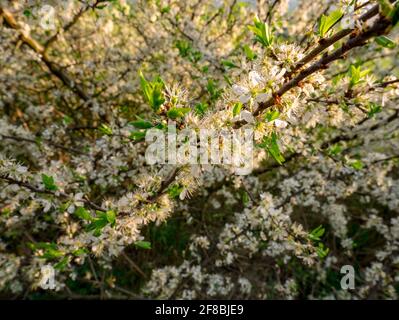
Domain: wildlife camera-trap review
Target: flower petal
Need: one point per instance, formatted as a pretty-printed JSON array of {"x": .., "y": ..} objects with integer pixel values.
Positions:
[
  {"x": 255, "y": 78},
  {"x": 240, "y": 90}
]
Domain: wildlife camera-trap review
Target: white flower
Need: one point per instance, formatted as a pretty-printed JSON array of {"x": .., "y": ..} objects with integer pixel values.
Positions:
[
  {"x": 262, "y": 97},
  {"x": 276, "y": 73},
  {"x": 183, "y": 194},
  {"x": 47, "y": 206},
  {"x": 348, "y": 19},
  {"x": 21, "y": 169},
  {"x": 71, "y": 209},
  {"x": 280, "y": 123},
  {"x": 255, "y": 78},
  {"x": 243, "y": 93},
  {"x": 247, "y": 116}
]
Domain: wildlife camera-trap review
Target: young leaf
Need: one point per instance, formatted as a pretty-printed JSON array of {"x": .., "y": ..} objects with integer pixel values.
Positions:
[
  {"x": 249, "y": 53},
  {"x": 175, "y": 113},
  {"x": 228, "y": 64},
  {"x": 385, "y": 42},
  {"x": 321, "y": 251},
  {"x": 174, "y": 191},
  {"x": 262, "y": 32},
  {"x": 83, "y": 214},
  {"x": 50, "y": 250},
  {"x": 137, "y": 135},
  {"x": 237, "y": 109},
  {"x": 213, "y": 90},
  {"x": 111, "y": 217},
  {"x": 62, "y": 264},
  {"x": 200, "y": 108},
  {"x": 245, "y": 198},
  {"x": 97, "y": 225},
  {"x": 356, "y": 75},
  {"x": 49, "y": 183},
  {"x": 270, "y": 144},
  {"x": 153, "y": 91},
  {"x": 334, "y": 150},
  {"x": 272, "y": 115},
  {"x": 141, "y": 124},
  {"x": 317, "y": 233},
  {"x": 373, "y": 109},
  {"x": 27, "y": 13},
  {"x": 357, "y": 165},
  {"x": 105, "y": 130},
  {"x": 143, "y": 245},
  {"x": 80, "y": 252},
  {"x": 165, "y": 9},
  {"x": 386, "y": 8},
  {"x": 327, "y": 22}
]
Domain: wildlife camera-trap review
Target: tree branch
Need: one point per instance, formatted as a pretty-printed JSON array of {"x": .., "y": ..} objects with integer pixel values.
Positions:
[{"x": 58, "y": 194}]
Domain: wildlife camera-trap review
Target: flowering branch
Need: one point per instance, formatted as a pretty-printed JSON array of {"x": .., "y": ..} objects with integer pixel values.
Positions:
[{"x": 50, "y": 192}]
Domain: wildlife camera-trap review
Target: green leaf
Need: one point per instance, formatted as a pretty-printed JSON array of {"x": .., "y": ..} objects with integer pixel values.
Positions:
[
  {"x": 49, "y": 183},
  {"x": 165, "y": 9},
  {"x": 385, "y": 42},
  {"x": 228, "y": 80},
  {"x": 80, "y": 252},
  {"x": 137, "y": 135},
  {"x": 51, "y": 254},
  {"x": 67, "y": 120},
  {"x": 43, "y": 245},
  {"x": 237, "y": 109},
  {"x": 200, "y": 108},
  {"x": 317, "y": 233},
  {"x": 101, "y": 221},
  {"x": 356, "y": 75},
  {"x": 111, "y": 217},
  {"x": 270, "y": 144},
  {"x": 249, "y": 53},
  {"x": 327, "y": 22},
  {"x": 184, "y": 48},
  {"x": 385, "y": 8},
  {"x": 262, "y": 32},
  {"x": 50, "y": 250},
  {"x": 105, "y": 129},
  {"x": 212, "y": 88},
  {"x": 175, "y": 190},
  {"x": 27, "y": 13},
  {"x": 187, "y": 51},
  {"x": 373, "y": 109},
  {"x": 175, "y": 113},
  {"x": 62, "y": 264},
  {"x": 84, "y": 214},
  {"x": 97, "y": 226},
  {"x": 334, "y": 150},
  {"x": 153, "y": 91},
  {"x": 357, "y": 165},
  {"x": 141, "y": 124},
  {"x": 228, "y": 64},
  {"x": 272, "y": 115},
  {"x": 245, "y": 198},
  {"x": 143, "y": 245},
  {"x": 321, "y": 251},
  {"x": 205, "y": 69}
]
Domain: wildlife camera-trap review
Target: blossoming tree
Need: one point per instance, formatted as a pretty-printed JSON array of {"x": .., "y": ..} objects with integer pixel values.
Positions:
[{"x": 84, "y": 82}]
